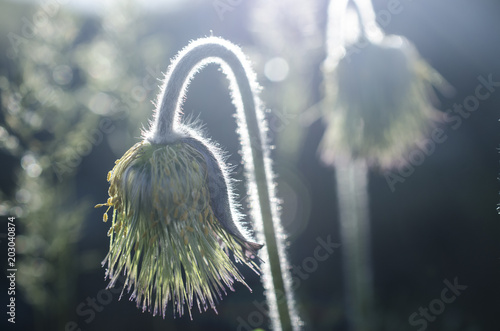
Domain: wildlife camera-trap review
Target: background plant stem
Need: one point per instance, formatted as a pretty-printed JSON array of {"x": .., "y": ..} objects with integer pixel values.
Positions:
[{"x": 352, "y": 190}]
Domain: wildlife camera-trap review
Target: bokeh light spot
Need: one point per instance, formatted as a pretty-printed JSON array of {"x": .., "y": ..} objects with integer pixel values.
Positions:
[
  {"x": 276, "y": 69},
  {"x": 62, "y": 75},
  {"x": 23, "y": 196},
  {"x": 139, "y": 93},
  {"x": 31, "y": 166},
  {"x": 100, "y": 103}
]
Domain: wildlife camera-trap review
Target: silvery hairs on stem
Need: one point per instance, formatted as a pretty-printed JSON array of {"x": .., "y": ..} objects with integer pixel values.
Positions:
[{"x": 174, "y": 217}]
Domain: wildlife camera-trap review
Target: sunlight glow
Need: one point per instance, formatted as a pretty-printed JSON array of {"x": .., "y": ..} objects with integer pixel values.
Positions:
[{"x": 276, "y": 69}]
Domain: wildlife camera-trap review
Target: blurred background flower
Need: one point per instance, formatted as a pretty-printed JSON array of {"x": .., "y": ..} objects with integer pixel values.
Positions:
[
  {"x": 378, "y": 103},
  {"x": 376, "y": 108}
]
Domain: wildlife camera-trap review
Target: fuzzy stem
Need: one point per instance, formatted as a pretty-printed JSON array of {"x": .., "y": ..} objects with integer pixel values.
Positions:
[
  {"x": 258, "y": 167},
  {"x": 351, "y": 179}
]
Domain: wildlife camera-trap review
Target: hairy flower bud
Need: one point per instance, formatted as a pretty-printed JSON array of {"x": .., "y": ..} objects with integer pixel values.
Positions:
[{"x": 172, "y": 226}]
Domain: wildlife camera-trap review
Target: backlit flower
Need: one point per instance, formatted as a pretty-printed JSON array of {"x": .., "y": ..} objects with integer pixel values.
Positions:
[
  {"x": 173, "y": 225},
  {"x": 378, "y": 102}
]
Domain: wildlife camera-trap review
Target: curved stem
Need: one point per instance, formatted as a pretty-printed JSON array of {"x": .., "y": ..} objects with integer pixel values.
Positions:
[
  {"x": 367, "y": 20},
  {"x": 352, "y": 190},
  {"x": 361, "y": 21},
  {"x": 189, "y": 61},
  {"x": 258, "y": 167},
  {"x": 335, "y": 31},
  {"x": 336, "y": 27}
]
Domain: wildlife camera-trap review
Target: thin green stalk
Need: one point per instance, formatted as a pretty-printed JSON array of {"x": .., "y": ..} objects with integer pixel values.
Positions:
[
  {"x": 351, "y": 179},
  {"x": 255, "y": 151},
  {"x": 352, "y": 190}
]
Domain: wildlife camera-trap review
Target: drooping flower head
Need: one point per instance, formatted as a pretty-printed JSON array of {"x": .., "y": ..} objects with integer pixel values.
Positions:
[
  {"x": 174, "y": 218},
  {"x": 378, "y": 91}
]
